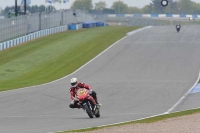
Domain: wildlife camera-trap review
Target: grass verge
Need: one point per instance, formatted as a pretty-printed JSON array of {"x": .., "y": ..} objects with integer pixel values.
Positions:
[
  {"x": 147, "y": 120},
  {"x": 55, "y": 56}
]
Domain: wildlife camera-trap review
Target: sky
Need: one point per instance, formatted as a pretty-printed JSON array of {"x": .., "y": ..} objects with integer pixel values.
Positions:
[{"x": 137, "y": 3}]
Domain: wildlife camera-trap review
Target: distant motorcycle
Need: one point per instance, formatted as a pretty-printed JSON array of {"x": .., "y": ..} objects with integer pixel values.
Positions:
[
  {"x": 178, "y": 28},
  {"x": 85, "y": 102}
]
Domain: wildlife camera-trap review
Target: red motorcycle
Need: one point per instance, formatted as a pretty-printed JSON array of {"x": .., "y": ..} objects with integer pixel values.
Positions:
[{"x": 86, "y": 102}]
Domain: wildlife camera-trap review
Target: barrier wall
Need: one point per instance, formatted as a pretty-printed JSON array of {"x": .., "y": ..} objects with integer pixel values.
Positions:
[
  {"x": 92, "y": 24},
  {"x": 29, "y": 37},
  {"x": 38, "y": 34},
  {"x": 75, "y": 26},
  {"x": 26, "y": 24},
  {"x": 156, "y": 15}
]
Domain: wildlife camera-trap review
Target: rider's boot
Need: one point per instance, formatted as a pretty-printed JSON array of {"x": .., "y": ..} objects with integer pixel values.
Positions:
[
  {"x": 79, "y": 106},
  {"x": 98, "y": 104}
]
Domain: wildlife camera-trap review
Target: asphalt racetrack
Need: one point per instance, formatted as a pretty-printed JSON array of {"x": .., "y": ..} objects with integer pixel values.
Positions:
[{"x": 142, "y": 75}]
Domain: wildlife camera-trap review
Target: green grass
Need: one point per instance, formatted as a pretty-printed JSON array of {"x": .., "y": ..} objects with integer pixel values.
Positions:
[
  {"x": 55, "y": 56},
  {"x": 147, "y": 120}
]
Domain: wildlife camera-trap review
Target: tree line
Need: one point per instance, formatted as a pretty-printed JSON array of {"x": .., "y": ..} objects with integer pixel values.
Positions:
[{"x": 119, "y": 7}]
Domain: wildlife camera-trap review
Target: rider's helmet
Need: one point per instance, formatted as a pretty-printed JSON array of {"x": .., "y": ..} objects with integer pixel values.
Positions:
[{"x": 74, "y": 82}]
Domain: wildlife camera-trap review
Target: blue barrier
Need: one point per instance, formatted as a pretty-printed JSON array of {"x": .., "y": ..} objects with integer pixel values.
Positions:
[
  {"x": 154, "y": 15},
  {"x": 194, "y": 16},
  {"x": 196, "y": 89},
  {"x": 88, "y": 25},
  {"x": 182, "y": 15},
  {"x": 7, "y": 44},
  {"x": 169, "y": 15},
  {"x": 23, "y": 39},
  {"x": 92, "y": 24},
  {"x": 17, "y": 41},
  {"x": 72, "y": 27},
  {"x": 100, "y": 24},
  {"x": 2, "y": 46}
]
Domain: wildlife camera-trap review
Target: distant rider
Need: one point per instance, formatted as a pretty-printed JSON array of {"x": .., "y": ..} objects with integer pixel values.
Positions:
[
  {"x": 178, "y": 27},
  {"x": 74, "y": 88}
]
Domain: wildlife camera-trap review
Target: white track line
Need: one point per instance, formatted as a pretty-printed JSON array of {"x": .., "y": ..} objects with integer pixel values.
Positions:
[
  {"x": 183, "y": 97},
  {"x": 114, "y": 123},
  {"x": 126, "y": 121}
]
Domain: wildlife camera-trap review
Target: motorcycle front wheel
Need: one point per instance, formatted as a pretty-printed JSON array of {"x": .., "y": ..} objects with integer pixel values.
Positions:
[{"x": 88, "y": 110}]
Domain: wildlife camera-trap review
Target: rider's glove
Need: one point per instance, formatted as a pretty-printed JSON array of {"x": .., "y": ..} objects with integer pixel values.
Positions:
[
  {"x": 72, "y": 102},
  {"x": 90, "y": 92},
  {"x": 76, "y": 99}
]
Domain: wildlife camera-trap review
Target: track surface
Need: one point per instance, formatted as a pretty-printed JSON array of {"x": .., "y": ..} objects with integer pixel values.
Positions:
[{"x": 143, "y": 75}]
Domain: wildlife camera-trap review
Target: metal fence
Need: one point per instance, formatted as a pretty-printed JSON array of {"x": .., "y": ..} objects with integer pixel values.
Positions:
[
  {"x": 22, "y": 25},
  {"x": 133, "y": 21}
]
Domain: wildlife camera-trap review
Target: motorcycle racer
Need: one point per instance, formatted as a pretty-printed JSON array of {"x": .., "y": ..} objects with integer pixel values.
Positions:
[
  {"x": 74, "y": 88},
  {"x": 178, "y": 27}
]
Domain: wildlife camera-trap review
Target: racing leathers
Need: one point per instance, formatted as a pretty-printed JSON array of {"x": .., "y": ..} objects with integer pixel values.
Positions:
[{"x": 73, "y": 91}]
